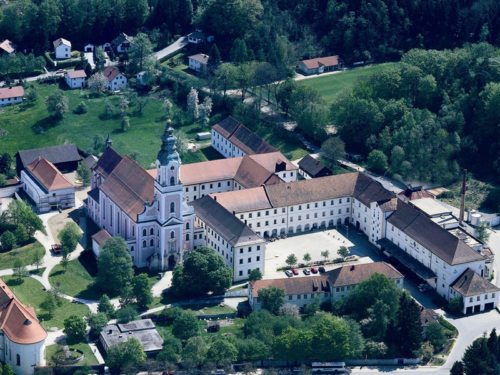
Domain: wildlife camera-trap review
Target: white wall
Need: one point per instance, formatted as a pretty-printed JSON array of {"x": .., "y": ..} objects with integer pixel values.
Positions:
[
  {"x": 224, "y": 146},
  {"x": 75, "y": 83},
  {"x": 29, "y": 355},
  {"x": 8, "y": 101},
  {"x": 118, "y": 83},
  {"x": 63, "y": 52}
]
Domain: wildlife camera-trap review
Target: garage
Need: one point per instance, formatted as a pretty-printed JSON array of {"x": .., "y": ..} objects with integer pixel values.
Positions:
[
  {"x": 468, "y": 310},
  {"x": 489, "y": 306},
  {"x": 477, "y": 308}
]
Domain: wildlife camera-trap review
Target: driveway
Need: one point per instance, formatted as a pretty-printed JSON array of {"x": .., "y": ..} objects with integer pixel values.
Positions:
[{"x": 172, "y": 48}]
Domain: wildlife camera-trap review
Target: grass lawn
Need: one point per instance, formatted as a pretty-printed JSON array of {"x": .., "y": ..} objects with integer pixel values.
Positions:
[
  {"x": 32, "y": 293},
  {"x": 209, "y": 309},
  {"x": 24, "y": 254},
  {"x": 76, "y": 281},
  {"x": 28, "y": 126},
  {"x": 88, "y": 360},
  {"x": 329, "y": 86}
]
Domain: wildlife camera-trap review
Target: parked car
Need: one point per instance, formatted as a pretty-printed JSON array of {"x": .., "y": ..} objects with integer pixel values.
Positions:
[
  {"x": 56, "y": 248},
  {"x": 306, "y": 271},
  {"x": 351, "y": 258},
  {"x": 314, "y": 270},
  {"x": 288, "y": 273},
  {"x": 321, "y": 269},
  {"x": 295, "y": 271}
]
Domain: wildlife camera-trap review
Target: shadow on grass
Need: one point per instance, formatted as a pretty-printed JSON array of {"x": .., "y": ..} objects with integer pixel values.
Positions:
[
  {"x": 45, "y": 124},
  {"x": 15, "y": 281}
]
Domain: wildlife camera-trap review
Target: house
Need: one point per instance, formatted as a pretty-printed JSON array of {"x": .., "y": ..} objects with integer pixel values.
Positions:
[
  {"x": 477, "y": 294},
  {"x": 144, "y": 330},
  {"x": 100, "y": 237},
  {"x": 62, "y": 48},
  {"x": 196, "y": 37},
  {"x": 232, "y": 139},
  {"x": 47, "y": 188},
  {"x": 11, "y": 95},
  {"x": 116, "y": 80},
  {"x": 320, "y": 65},
  {"x": 310, "y": 167},
  {"x": 328, "y": 287},
  {"x": 240, "y": 247},
  {"x": 199, "y": 62},
  {"x": 149, "y": 213},
  {"x": 7, "y": 47},
  {"x": 75, "y": 79},
  {"x": 121, "y": 43},
  {"x": 22, "y": 338},
  {"x": 64, "y": 157}
]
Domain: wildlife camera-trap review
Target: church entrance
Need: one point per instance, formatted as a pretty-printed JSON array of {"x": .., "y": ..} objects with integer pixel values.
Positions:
[{"x": 171, "y": 262}]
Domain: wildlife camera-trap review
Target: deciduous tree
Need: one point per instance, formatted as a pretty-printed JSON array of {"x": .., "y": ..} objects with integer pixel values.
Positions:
[
  {"x": 271, "y": 299},
  {"x": 114, "y": 266}
]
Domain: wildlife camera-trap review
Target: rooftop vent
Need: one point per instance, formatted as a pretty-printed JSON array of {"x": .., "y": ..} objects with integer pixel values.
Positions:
[
  {"x": 27, "y": 322},
  {"x": 352, "y": 268}
]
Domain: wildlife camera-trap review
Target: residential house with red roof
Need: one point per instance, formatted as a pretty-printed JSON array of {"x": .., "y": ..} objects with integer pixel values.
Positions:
[
  {"x": 116, "y": 80},
  {"x": 46, "y": 186},
  {"x": 22, "y": 338},
  {"x": 11, "y": 95},
  {"x": 320, "y": 65}
]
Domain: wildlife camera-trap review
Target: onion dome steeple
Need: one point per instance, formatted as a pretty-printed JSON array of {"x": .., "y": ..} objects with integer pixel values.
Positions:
[{"x": 168, "y": 151}]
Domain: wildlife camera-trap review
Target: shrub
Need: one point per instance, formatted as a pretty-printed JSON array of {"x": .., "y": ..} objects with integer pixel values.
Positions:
[{"x": 80, "y": 109}]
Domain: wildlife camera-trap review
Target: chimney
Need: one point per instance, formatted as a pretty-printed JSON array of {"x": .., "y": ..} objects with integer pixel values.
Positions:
[{"x": 462, "y": 197}]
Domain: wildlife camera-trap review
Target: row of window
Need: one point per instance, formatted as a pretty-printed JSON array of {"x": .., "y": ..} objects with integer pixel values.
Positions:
[
  {"x": 478, "y": 298},
  {"x": 249, "y": 260},
  {"x": 250, "y": 249},
  {"x": 240, "y": 273},
  {"x": 210, "y": 186}
]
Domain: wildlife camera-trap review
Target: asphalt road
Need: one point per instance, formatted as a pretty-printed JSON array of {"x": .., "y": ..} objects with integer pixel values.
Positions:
[{"x": 172, "y": 48}]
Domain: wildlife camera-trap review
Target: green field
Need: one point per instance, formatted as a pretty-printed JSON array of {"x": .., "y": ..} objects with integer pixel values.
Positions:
[
  {"x": 75, "y": 281},
  {"x": 24, "y": 254},
  {"x": 88, "y": 360},
  {"x": 32, "y": 293},
  {"x": 329, "y": 86},
  {"x": 29, "y": 126}
]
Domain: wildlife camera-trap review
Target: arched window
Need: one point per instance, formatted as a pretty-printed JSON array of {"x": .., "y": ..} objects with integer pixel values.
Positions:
[
  {"x": 144, "y": 232},
  {"x": 172, "y": 234},
  {"x": 151, "y": 231},
  {"x": 172, "y": 207},
  {"x": 18, "y": 360},
  {"x": 172, "y": 180},
  {"x": 151, "y": 242},
  {"x": 187, "y": 225},
  {"x": 143, "y": 243},
  {"x": 187, "y": 236}
]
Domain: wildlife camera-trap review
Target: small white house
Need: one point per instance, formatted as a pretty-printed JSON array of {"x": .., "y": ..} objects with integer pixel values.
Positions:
[
  {"x": 75, "y": 79},
  {"x": 11, "y": 95},
  {"x": 98, "y": 241},
  {"x": 62, "y": 48},
  {"x": 196, "y": 37},
  {"x": 199, "y": 62},
  {"x": 116, "y": 80},
  {"x": 122, "y": 43}
]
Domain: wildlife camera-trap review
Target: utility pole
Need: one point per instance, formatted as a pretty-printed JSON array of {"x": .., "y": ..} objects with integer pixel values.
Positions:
[{"x": 462, "y": 197}]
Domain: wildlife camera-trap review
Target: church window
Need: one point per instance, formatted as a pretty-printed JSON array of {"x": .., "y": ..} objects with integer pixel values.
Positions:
[
  {"x": 172, "y": 235},
  {"x": 187, "y": 236},
  {"x": 172, "y": 180},
  {"x": 172, "y": 168},
  {"x": 18, "y": 360},
  {"x": 151, "y": 242},
  {"x": 151, "y": 231},
  {"x": 144, "y": 232},
  {"x": 172, "y": 207},
  {"x": 143, "y": 243},
  {"x": 187, "y": 226}
]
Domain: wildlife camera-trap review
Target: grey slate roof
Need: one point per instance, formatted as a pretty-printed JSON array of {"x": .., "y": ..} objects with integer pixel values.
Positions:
[
  {"x": 469, "y": 283},
  {"x": 430, "y": 235},
  {"x": 313, "y": 167},
  {"x": 228, "y": 226},
  {"x": 55, "y": 154},
  {"x": 108, "y": 161}
]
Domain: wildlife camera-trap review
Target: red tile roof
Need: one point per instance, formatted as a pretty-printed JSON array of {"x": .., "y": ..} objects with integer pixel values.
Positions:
[
  {"x": 48, "y": 175},
  {"x": 327, "y": 61},
  {"x": 11, "y": 92},
  {"x": 7, "y": 46},
  {"x": 101, "y": 237},
  {"x": 76, "y": 74},
  {"x": 111, "y": 72},
  {"x": 18, "y": 322}
]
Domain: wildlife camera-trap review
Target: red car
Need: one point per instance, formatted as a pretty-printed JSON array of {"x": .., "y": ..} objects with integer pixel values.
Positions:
[
  {"x": 295, "y": 272},
  {"x": 314, "y": 270}
]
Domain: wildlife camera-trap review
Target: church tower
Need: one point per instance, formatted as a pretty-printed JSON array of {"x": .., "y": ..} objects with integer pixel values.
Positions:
[{"x": 169, "y": 200}]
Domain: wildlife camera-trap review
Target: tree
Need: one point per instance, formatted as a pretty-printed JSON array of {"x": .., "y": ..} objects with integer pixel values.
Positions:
[
  {"x": 83, "y": 174},
  {"x": 457, "y": 368},
  {"x": 49, "y": 304},
  {"x": 126, "y": 314},
  {"x": 291, "y": 260},
  {"x": 114, "y": 266},
  {"x": 195, "y": 352},
  {"x": 97, "y": 83},
  {"x": 482, "y": 233},
  {"x": 125, "y": 124},
  {"x": 205, "y": 109},
  {"x": 325, "y": 254},
  {"x": 69, "y": 237},
  {"x": 215, "y": 59},
  {"x": 57, "y": 104},
  {"x": 377, "y": 161},
  {"x": 31, "y": 95},
  {"x": 239, "y": 51},
  {"x": 140, "y": 54},
  {"x": 75, "y": 328},
  {"x": 5, "y": 163},
  {"x": 343, "y": 251},
  {"x": 456, "y": 305},
  {"x": 19, "y": 269},
  {"x": 141, "y": 290},
  {"x": 224, "y": 77},
  {"x": 434, "y": 333},
  {"x": 289, "y": 310},
  {"x": 81, "y": 108},
  {"x": 106, "y": 307},
  {"x": 38, "y": 257},
  {"x": 203, "y": 271},
  {"x": 7, "y": 370},
  {"x": 19, "y": 213},
  {"x": 7, "y": 240},
  {"x": 186, "y": 325},
  {"x": 100, "y": 61},
  {"x": 306, "y": 258},
  {"x": 171, "y": 352},
  {"x": 426, "y": 351},
  {"x": 222, "y": 351},
  {"x": 408, "y": 326},
  {"x": 477, "y": 359},
  {"x": 271, "y": 299},
  {"x": 97, "y": 322},
  {"x": 193, "y": 104},
  {"x": 125, "y": 355},
  {"x": 375, "y": 349},
  {"x": 332, "y": 150},
  {"x": 254, "y": 275}
]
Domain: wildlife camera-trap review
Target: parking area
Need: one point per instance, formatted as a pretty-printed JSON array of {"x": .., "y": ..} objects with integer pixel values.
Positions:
[{"x": 312, "y": 243}]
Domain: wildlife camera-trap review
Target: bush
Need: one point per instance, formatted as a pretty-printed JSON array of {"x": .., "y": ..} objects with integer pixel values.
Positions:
[
  {"x": 80, "y": 109},
  {"x": 7, "y": 240},
  {"x": 126, "y": 314}
]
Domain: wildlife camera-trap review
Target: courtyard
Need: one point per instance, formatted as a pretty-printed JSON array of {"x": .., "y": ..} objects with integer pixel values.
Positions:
[{"x": 314, "y": 243}]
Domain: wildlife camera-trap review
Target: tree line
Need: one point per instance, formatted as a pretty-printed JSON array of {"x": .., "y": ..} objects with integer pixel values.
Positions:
[{"x": 482, "y": 357}]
